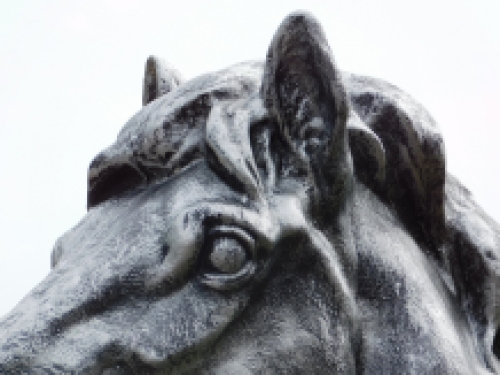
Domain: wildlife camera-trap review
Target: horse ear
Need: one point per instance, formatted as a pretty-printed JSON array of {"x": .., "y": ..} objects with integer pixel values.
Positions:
[
  {"x": 159, "y": 79},
  {"x": 303, "y": 90}
]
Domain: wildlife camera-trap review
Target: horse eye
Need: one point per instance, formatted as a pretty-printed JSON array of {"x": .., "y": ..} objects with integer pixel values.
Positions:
[
  {"x": 227, "y": 255},
  {"x": 229, "y": 258}
]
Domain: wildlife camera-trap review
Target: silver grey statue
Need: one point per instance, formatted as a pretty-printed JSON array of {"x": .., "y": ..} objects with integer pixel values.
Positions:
[{"x": 282, "y": 217}]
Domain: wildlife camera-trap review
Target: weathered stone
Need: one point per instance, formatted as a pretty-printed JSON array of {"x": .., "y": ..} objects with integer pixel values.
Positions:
[{"x": 276, "y": 218}]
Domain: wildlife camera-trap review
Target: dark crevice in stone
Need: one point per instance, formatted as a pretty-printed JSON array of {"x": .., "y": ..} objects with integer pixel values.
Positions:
[{"x": 112, "y": 182}]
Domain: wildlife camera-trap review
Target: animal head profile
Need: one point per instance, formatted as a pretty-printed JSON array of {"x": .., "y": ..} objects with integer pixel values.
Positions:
[{"x": 282, "y": 217}]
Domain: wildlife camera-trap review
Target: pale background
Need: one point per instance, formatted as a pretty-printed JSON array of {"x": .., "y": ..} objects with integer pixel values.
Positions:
[{"x": 71, "y": 75}]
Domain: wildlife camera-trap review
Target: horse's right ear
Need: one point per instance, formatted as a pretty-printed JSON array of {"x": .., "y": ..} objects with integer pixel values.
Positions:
[
  {"x": 159, "y": 79},
  {"x": 302, "y": 89}
]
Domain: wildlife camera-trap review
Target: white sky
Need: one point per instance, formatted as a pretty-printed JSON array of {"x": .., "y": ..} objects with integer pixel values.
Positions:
[{"x": 71, "y": 75}]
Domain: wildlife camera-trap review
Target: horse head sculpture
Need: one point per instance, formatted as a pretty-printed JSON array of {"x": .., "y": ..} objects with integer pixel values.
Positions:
[{"x": 270, "y": 218}]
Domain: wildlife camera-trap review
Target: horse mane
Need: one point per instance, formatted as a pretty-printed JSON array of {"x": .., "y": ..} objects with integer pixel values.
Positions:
[{"x": 414, "y": 176}]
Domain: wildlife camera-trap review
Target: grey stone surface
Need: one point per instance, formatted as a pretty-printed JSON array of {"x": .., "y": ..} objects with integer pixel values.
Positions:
[{"x": 270, "y": 218}]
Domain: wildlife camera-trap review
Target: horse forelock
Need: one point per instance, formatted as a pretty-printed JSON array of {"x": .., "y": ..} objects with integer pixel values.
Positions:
[{"x": 181, "y": 127}]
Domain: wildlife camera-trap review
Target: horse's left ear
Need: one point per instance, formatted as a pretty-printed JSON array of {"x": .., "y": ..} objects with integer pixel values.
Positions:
[
  {"x": 303, "y": 90},
  {"x": 159, "y": 79}
]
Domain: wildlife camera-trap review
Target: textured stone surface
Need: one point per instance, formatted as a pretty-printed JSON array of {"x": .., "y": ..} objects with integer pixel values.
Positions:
[{"x": 270, "y": 218}]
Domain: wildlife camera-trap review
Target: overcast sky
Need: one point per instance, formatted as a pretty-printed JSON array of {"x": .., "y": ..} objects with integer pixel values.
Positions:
[{"x": 71, "y": 75}]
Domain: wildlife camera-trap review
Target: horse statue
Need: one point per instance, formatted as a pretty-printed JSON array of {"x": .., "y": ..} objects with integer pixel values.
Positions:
[{"x": 282, "y": 217}]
